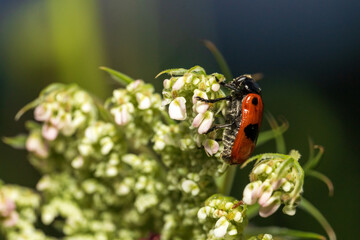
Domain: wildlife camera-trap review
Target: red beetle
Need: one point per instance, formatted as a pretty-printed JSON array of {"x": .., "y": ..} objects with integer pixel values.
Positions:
[{"x": 243, "y": 119}]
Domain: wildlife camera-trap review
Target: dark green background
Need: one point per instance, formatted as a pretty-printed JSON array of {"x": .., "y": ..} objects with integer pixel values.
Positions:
[{"x": 308, "y": 51}]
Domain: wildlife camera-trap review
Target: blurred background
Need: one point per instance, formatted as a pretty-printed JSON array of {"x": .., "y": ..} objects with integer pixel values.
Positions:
[{"x": 308, "y": 51}]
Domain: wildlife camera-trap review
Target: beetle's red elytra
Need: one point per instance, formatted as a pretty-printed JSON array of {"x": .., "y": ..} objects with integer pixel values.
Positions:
[
  {"x": 243, "y": 119},
  {"x": 251, "y": 115}
]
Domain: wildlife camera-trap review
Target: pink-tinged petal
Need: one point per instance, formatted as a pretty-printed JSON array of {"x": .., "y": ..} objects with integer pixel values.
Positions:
[
  {"x": 41, "y": 113},
  {"x": 265, "y": 196},
  {"x": 11, "y": 220},
  {"x": 7, "y": 208},
  {"x": 134, "y": 85},
  {"x": 248, "y": 195},
  {"x": 198, "y": 119},
  {"x": 166, "y": 83},
  {"x": 177, "y": 109},
  {"x": 276, "y": 184},
  {"x": 206, "y": 123},
  {"x": 270, "y": 209},
  {"x": 180, "y": 82},
  {"x": 198, "y": 93},
  {"x": 49, "y": 132},
  {"x": 201, "y": 107},
  {"x": 211, "y": 146}
]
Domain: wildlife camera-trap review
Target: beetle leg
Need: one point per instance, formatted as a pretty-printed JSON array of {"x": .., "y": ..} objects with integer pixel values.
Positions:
[
  {"x": 227, "y": 85},
  {"x": 218, "y": 126},
  {"x": 213, "y": 100}
]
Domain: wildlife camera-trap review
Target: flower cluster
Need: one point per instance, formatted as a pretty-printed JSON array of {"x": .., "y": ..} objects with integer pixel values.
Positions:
[
  {"x": 126, "y": 170},
  {"x": 18, "y": 208},
  {"x": 227, "y": 217},
  {"x": 137, "y": 110},
  {"x": 181, "y": 92},
  {"x": 64, "y": 109},
  {"x": 275, "y": 179}
]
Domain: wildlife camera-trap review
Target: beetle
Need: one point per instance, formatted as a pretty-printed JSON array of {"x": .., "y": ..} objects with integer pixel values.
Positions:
[{"x": 243, "y": 118}]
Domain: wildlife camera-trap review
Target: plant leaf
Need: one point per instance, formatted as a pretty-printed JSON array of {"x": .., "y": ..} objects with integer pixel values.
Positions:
[
  {"x": 224, "y": 67},
  {"x": 121, "y": 78},
  {"x": 322, "y": 178},
  {"x": 27, "y": 107},
  {"x": 279, "y": 139},
  {"x": 313, "y": 211},
  {"x": 285, "y": 232},
  {"x": 272, "y": 133},
  {"x": 17, "y": 142},
  {"x": 313, "y": 160},
  {"x": 173, "y": 71}
]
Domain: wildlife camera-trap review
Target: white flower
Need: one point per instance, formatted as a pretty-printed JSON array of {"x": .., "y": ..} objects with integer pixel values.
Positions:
[
  {"x": 215, "y": 87},
  {"x": 202, "y": 213},
  {"x": 203, "y": 121},
  {"x": 143, "y": 101},
  {"x": 78, "y": 162},
  {"x": 221, "y": 227},
  {"x": 177, "y": 109},
  {"x": 49, "y": 132},
  {"x": 200, "y": 106},
  {"x": 211, "y": 146},
  {"x": 122, "y": 113},
  {"x": 190, "y": 186},
  {"x": 134, "y": 85},
  {"x": 42, "y": 113},
  {"x": 238, "y": 217},
  {"x": 36, "y": 145},
  {"x": 180, "y": 82},
  {"x": 267, "y": 237},
  {"x": 166, "y": 84},
  {"x": 250, "y": 193},
  {"x": 106, "y": 145}
]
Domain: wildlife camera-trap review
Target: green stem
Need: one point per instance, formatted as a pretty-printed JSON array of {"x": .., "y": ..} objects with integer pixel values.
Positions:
[
  {"x": 225, "y": 181},
  {"x": 224, "y": 67},
  {"x": 277, "y": 231},
  {"x": 252, "y": 211},
  {"x": 312, "y": 210}
]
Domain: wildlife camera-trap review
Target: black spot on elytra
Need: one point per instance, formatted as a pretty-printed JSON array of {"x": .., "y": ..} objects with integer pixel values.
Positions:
[
  {"x": 255, "y": 101},
  {"x": 252, "y": 131}
]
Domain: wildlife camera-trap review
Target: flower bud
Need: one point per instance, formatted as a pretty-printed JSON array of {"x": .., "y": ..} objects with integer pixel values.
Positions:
[{"x": 177, "y": 109}]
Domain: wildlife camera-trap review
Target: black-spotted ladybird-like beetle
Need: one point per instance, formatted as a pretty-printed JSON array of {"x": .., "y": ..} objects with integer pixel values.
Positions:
[{"x": 243, "y": 118}]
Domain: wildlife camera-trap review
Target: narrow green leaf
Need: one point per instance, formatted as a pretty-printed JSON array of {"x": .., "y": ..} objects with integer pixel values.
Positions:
[
  {"x": 314, "y": 160},
  {"x": 322, "y": 178},
  {"x": 52, "y": 87},
  {"x": 271, "y": 134},
  {"x": 118, "y": 76},
  {"x": 27, "y": 107},
  {"x": 279, "y": 139},
  {"x": 283, "y": 232},
  {"x": 173, "y": 71},
  {"x": 224, "y": 67},
  {"x": 18, "y": 142},
  {"x": 313, "y": 211},
  {"x": 197, "y": 70},
  {"x": 32, "y": 125}
]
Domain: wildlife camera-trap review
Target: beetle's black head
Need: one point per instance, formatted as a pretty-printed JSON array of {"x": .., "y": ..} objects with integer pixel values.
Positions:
[{"x": 245, "y": 84}]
